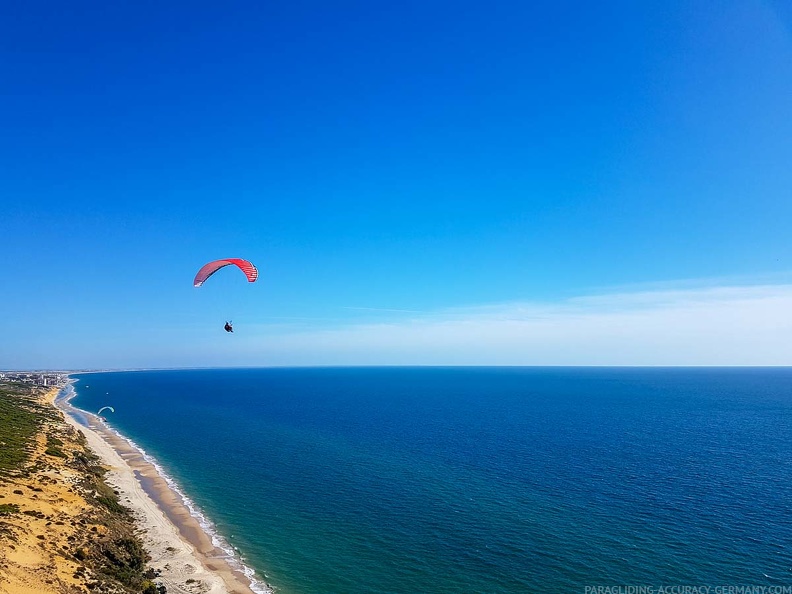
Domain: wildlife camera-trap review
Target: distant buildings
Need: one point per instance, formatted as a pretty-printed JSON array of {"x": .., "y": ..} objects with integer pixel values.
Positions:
[{"x": 35, "y": 378}]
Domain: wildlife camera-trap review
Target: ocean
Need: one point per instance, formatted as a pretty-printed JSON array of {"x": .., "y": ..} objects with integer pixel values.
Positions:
[{"x": 476, "y": 480}]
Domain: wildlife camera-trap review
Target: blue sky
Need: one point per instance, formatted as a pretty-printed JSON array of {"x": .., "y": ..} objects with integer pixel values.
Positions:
[{"x": 418, "y": 183}]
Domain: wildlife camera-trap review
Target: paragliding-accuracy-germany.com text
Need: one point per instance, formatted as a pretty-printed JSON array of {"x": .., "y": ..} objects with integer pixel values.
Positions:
[{"x": 680, "y": 589}]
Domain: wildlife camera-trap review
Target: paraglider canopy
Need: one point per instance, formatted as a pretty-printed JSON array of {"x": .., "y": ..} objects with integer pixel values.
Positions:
[
  {"x": 110, "y": 408},
  {"x": 209, "y": 269}
]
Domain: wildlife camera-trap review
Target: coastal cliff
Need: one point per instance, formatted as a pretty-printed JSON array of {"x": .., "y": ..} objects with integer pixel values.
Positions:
[{"x": 63, "y": 529}]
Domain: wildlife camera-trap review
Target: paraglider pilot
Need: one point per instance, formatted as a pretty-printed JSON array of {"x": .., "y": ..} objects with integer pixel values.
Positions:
[{"x": 228, "y": 327}]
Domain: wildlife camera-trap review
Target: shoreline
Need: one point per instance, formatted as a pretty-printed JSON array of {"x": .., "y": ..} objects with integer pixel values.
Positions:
[{"x": 177, "y": 535}]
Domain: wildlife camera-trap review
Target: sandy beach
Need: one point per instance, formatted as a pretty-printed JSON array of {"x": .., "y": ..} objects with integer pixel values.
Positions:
[{"x": 183, "y": 553}]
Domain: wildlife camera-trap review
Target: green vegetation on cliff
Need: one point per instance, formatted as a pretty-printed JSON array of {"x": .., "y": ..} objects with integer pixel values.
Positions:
[{"x": 21, "y": 417}]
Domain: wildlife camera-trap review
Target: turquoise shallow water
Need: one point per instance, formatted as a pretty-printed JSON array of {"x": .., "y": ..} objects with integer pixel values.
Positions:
[{"x": 508, "y": 480}]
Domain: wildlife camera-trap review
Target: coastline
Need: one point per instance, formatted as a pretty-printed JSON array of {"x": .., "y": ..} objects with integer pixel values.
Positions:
[{"x": 189, "y": 558}]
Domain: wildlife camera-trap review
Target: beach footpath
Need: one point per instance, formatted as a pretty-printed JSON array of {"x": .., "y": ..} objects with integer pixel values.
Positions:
[{"x": 74, "y": 517}]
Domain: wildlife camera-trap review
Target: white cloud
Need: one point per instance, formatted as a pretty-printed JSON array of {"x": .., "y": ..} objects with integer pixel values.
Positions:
[{"x": 735, "y": 325}]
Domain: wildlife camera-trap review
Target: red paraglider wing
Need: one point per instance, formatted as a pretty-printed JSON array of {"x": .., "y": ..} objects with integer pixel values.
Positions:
[{"x": 209, "y": 269}]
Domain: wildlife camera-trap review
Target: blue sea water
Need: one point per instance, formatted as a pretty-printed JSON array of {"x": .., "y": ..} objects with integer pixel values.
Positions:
[{"x": 496, "y": 480}]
